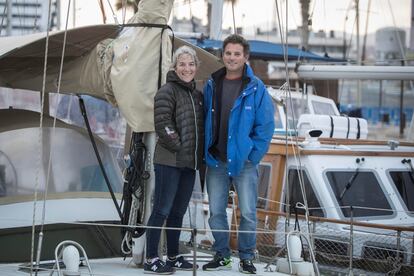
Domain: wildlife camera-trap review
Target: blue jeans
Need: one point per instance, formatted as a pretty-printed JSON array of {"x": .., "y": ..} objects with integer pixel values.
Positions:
[
  {"x": 173, "y": 189},
  {"x": 218, "y": 184}
]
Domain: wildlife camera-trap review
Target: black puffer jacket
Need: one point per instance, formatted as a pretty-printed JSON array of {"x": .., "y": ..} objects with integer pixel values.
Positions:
[{"x": 179, "y": 124}]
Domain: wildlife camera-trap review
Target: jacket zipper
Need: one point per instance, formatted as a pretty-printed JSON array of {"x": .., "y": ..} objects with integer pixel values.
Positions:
[
  {"x": 213, "y": 114},
  {"x": 196, "y": 131}
]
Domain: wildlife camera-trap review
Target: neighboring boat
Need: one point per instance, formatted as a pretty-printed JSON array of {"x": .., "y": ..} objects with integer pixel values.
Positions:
[
  {"x": 348, "y": 195},
  {"x": 323, "y": 176}
]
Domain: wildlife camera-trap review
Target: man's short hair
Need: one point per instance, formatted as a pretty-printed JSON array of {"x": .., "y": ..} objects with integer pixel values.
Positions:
[{"x": 237, "y": 39}]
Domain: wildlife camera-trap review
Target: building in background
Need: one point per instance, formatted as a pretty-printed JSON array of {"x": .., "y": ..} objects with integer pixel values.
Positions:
[
  {"x": 26, "y": 17},
  {"x": 390, "y": 45}
]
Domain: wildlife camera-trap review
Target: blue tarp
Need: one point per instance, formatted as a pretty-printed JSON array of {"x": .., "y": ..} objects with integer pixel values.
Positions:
[{"x": 264, "y": 50}]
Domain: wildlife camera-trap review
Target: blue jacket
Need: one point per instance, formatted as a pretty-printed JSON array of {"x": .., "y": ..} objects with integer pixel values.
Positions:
[{"x": 251, "y": 122}]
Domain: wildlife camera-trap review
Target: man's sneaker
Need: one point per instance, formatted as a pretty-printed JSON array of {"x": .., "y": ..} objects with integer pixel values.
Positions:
[
  {"x": 180, "y": 263},
  {"x": 246, "y": 266},
  {"x": 219, "y": 263},
  {"x": 158, "y": 267}
]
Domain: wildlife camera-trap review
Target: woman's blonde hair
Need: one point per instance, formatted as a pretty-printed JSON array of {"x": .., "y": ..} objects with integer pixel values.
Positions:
[{"x": 184, "y": 50}]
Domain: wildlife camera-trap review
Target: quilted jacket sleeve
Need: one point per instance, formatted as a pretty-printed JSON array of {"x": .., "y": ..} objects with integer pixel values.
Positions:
[{"x": 164, "y": 119}]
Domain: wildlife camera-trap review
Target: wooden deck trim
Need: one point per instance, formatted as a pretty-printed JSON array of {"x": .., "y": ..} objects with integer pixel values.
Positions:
[{"x": 338, "y": 221}]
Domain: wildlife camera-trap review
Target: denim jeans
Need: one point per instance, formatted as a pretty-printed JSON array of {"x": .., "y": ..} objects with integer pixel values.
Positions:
[
  {"x": 218, "y": 184},
  {"x": 173, "y": 189}
]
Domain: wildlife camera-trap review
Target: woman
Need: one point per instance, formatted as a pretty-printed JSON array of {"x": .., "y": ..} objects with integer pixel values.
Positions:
[{"x": 178, "y": 116}]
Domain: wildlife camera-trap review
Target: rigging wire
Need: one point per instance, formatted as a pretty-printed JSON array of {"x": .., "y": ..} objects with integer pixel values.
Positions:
[
  {"x": 403, "y": 59},
  {"x": 19, "y": 15},
  {"x": 35, "y": 27},
  {"x": 59, "y": 81},
  {"x": 113, "y": 12},
  {"x": 400, "y": 43},
  {"x": 313, "y": 9},
  {"x": 40, "y": 241},
  {"x": 24, "y": 15},
  {"x": 101, "y": 6},
  {"x": 40, "y": 148},
  {"x": 346, "y": 48},
  {"x": 234, "y": 19},
  {"x": 325, "y": 25},
  {"x": 289, "y": 99},
  {"x": 364, "y": 43},
  {"x": 191, "y": 16},
  {"x": 3, "y": 16},
  {"x": 124, "y": 4}
]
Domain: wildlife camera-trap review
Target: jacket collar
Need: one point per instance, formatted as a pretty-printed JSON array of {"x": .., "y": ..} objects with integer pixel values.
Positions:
[{"x": 221, "y": 73}]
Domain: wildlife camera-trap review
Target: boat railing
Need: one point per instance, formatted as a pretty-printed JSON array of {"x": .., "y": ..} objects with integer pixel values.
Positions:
[{"x": 339, "y": 245}]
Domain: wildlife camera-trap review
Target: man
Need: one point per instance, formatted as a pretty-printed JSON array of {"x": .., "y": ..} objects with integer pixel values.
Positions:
[{"x": 239, "y": 125}]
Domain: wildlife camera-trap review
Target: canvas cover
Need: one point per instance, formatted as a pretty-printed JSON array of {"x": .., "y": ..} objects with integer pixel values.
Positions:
[
  {"x": 22, "y": 60},
  {"x": 111, "y": 62},
  {"x": 136, "y": 53}
]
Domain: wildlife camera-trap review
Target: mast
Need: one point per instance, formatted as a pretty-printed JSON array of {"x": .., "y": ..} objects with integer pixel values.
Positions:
[
  {"x": 74, "y": 14},
  {"x": 9, "y": 18},
  {"x": 305, "y": 24},
  {"x": 412, "y": 27},
  {"x": 216, "y": 19},
  {"x": 358, "y": 57},
  {"x": 364, "y": 43},
  {"x": 410, "y": 134},
  {"x": 358, "y": 52}
]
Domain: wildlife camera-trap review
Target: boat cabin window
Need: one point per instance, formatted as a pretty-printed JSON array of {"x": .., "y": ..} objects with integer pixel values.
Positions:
[
  {"x": 294, "y": 109},
  {"x": 295, "y": 194},
  {"x": 74, "y": 167},
  {"x": 360, "y": 190},
  {"x": 404, "y": 182},
  {"x": 265, "y": 170},
  {"x": 277, "y": 117},
  {"x": 323, "y": 108}
]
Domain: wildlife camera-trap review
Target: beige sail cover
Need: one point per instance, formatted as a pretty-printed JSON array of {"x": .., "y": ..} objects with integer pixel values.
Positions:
[
  {"x": 134, "y": 72},
  {"x": 112, "y": 62}
]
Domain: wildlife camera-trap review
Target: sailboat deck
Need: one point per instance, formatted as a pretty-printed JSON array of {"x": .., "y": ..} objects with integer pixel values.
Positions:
[{"x": 119, "y": 266}]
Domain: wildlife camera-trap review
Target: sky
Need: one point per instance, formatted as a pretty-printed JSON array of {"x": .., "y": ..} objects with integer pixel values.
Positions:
[{"x": 326, "y": 14}]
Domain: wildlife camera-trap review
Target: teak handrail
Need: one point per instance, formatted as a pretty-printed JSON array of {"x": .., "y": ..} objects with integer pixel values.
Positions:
[{"x": 346, "y": 222}]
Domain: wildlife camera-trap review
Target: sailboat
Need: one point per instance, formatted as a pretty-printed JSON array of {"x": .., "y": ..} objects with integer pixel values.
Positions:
[
  {"x": 351, "y": 194},
  {"x": 302, "y": 188},
  {"x": 78, "y": 180}
]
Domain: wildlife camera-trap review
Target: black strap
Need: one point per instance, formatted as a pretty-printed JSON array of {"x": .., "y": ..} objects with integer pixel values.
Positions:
[
  {"x": 160, "y": 60},
  {"x": 163, "y": 27},
  {"x": 332, "y": 127},
  {"x": 88, "y": 127},
  {"x": 359, "y": 129},
  {"x": 347, "y": 132}
]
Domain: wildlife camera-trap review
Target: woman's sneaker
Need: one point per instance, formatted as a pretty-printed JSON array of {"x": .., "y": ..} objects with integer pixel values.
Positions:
[
  {"x": 219, "y": 263},
  {"x": 246, "y": 266},
  {"x": 180, "y": 263},
  {"x": 158, "y": 267}
]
